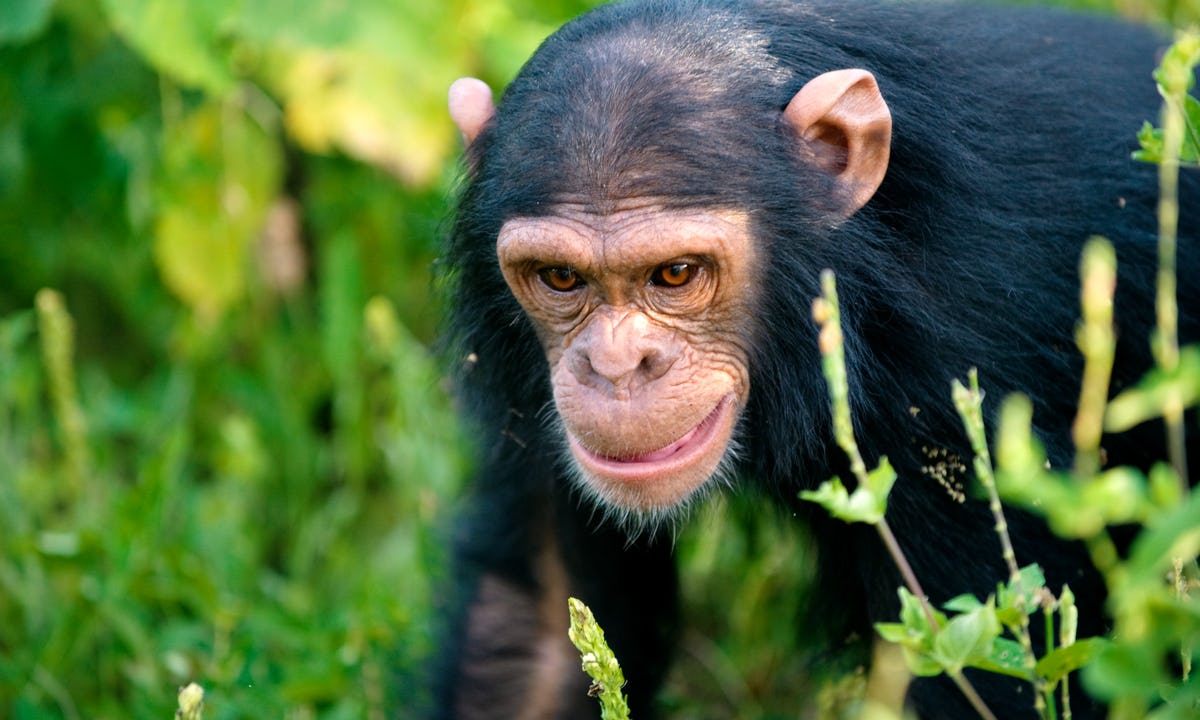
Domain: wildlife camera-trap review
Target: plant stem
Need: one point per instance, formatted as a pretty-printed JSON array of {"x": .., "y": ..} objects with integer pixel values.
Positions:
[
  {"x": 1097, "y": 342},
  {"x": 57, "y": 331},
  {"x": 1048, "y": 709},
  {"x": 969, "y": 402},
  {"x": 828, "y": 314},
  {"x": 968, "y": 690},
  {"x": 1166, "y": 305},
  {"x": 906, "y": 571}
]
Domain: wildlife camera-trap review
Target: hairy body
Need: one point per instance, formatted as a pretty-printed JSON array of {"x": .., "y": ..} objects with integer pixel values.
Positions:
[{"x": 642, "y": 229}]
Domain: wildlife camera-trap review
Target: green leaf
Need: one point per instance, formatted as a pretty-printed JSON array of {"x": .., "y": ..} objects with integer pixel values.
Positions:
[
  {"x": 1068, "y": 614},
  {"x": 920, "y": 662},
  {"x": 1175, "y": 79},
  {"x": 1019, "y": 456},
  {"x": 1118, "y": 495},
  {"x": 963, "y": 603},
  {"x": 913, "y": 615},
  {"x": 1175, "y": 533},
  {"x": 1018, "y": 598},
  {"x": 1180, "y": 703},
  {"x": 1166, "y": 491},
  {"x": 867, "y": 504},
  {"x": 880, "y": 481},
  {"x": 1065, "y": 660},
  {"x": 1146, "y": 399},
  {"x": 1190, "y": 152},
  {"x": 181, "y": 39},
  {"x": 1174, "y": 73},
  {"x": 220, "y": 174},
  {"x": 1005, "y": 657},
  {"x": 966, "y": 638},
  {"x": 21, "y": 20},
  {"x": 831, "y": 495},
  {"x": 915, "y": 645},
  {"x": 1127, "y": 670},
  {"x": 1150, "y": 139},
  {"x": 914, "y": 634},
  {"x": 893, "y": 632}
]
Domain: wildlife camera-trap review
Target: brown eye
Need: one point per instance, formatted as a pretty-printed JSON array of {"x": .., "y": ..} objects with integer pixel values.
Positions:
[
  {"x": 560, "y": 279},
  {"x": 675, "y": 275}
]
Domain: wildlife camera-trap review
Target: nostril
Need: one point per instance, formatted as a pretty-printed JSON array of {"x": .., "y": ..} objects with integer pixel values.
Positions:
[
  {"x": 655, "y": 364},
  {"x": 621, "y": 354}
]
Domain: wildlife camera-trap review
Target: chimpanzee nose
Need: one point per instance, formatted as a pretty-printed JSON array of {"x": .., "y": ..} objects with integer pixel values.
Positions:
[{"x": 620, "y": 351}]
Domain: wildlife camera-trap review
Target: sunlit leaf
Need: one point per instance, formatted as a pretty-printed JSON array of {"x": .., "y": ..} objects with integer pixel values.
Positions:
[
  {"x": 1147, "y": 399},
  {"x": 914, "y": 634},
  {"x": 1190, "y": 152},
  {"x": 1118, "y": 495},
  {"x": 202, "y": 260},
  {"x": 1164, "y": 487},
  {"x": 181, "y": 39},
  {"x": 1175, "y": 533},
  {"x": 865, "y": 504},
  {"x": 1005, "y": 657},
  {"x": 1175, "y": 79},
  {"x": 966, "y": 637},
  {"x": 1018, "y": 598},
  {"x": 1065, "y": 660},
  {"x": 218, "y": 181},
  {"x": 962, "y": 603},
  {"x": 913, "y": 614},
  {"x": 359, "y": 104},
  {"x": 1150, "y": 139}
]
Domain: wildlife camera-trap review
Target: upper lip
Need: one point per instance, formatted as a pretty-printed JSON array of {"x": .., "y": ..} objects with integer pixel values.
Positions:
[{"x": 664, "y": 453}]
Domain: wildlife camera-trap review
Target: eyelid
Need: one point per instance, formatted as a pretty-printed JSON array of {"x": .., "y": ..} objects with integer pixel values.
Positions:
[
  {"x": 700, "y": 267},
  {"x": 546, "y": 276}
]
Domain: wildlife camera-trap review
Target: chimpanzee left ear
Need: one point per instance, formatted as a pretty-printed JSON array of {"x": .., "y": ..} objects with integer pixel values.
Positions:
[
  {"x": 848, "y": 129},
  {"x": 471, "y": 106}
]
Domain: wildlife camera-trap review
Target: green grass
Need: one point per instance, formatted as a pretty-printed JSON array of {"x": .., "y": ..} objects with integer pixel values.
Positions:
[{"x": 211, "y": 473}]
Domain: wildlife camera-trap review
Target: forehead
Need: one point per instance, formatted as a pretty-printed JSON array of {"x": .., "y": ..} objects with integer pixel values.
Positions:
[{"x": 632, "y": 236}]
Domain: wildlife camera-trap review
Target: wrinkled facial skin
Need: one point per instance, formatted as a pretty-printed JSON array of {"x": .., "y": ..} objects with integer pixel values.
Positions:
[{"x": 645, "y": 316}]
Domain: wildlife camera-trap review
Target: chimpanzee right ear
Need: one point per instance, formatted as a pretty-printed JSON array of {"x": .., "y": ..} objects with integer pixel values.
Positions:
[
  {"x": 848, "y": 129},
  {"x": 471, "y": 106}
]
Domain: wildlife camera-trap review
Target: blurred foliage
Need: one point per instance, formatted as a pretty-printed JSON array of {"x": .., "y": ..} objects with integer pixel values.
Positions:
[{"x": 226, "y": 454}]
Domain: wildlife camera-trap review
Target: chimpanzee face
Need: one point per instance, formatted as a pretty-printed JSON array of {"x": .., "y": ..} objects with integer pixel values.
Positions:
[
  {"x": 644, "y": 316},
  {"x": 646, "y": 311}
]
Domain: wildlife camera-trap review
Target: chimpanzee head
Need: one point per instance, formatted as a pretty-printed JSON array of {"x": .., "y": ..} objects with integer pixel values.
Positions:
[{"x": 629, "y": 184}]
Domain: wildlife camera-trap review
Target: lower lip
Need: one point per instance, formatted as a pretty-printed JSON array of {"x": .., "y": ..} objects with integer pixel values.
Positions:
[{"x": 670, "y": 458}]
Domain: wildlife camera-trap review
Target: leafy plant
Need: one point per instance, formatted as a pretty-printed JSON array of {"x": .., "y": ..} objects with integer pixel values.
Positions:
[
  {"x": 599, "y": 662},
  {"x": 1144, "y": 668}
]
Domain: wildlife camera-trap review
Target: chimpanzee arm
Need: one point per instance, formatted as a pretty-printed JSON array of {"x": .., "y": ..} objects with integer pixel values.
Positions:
[{"x": 527, "y": 545}]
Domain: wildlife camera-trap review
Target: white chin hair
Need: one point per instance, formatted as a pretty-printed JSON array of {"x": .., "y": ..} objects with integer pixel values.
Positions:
[{"x": 622, "y": 507}]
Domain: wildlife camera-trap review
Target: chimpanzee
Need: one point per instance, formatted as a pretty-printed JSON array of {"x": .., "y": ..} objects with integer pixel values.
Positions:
[{"x": 638, "y": 240}]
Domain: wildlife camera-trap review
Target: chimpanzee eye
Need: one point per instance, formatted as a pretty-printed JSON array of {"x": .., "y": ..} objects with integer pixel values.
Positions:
[
  {"x": 560, "y": 279},
  {"x": 673, "y": 275}
]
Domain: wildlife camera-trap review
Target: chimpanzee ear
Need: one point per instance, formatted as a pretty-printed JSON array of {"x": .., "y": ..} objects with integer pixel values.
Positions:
[
  {"x": 848, "y": 129},
  {"x": 471, "y": 106}
]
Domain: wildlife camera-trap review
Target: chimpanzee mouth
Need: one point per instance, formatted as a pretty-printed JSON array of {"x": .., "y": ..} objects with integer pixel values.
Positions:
[{"x": 673, "y": 457}]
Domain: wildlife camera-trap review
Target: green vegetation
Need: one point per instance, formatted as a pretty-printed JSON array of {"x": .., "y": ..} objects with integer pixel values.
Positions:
[
  {"x": 226, "y": 455},
  {"x": 598, "y": 662},
  {"x": 1144, "y": 667}
]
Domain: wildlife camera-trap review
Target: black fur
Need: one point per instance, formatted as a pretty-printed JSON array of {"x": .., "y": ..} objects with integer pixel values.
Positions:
[{"x": 1012, "y": 135}]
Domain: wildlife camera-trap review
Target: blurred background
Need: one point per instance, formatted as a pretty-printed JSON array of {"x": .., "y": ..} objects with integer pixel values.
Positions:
[{"x": 227, "y": 453}]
